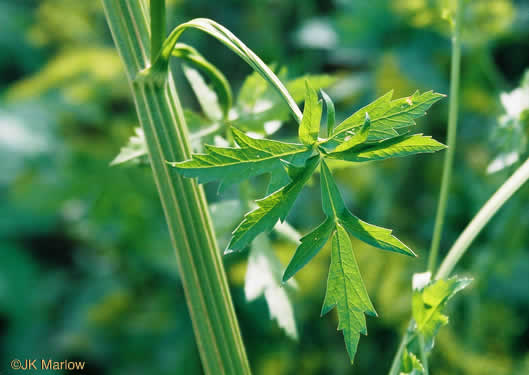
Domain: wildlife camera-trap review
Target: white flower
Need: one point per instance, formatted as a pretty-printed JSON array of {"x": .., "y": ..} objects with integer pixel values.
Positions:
[{"x": 516, "y": 101}]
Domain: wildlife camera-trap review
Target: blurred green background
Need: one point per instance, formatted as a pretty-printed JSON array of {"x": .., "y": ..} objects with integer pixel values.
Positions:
[{"x": 86, "y": 268}]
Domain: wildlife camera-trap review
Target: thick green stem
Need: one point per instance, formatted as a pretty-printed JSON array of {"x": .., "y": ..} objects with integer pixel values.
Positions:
[
  {"x": 198, "y": 257},
  {"x": 451, "y": 137},
  {"x": 482, "y": 218}
]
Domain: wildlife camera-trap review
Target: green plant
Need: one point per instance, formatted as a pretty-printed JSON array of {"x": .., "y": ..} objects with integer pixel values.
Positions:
[
  {"x": 378, "y": 131},
  {"x": 164, "y": 127},
  {"x": 359, "y": 138},
  {"x": 233, "y": 146}
]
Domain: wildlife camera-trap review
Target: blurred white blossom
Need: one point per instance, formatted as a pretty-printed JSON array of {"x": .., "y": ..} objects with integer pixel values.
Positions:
[{"x": 516, "y": 101}]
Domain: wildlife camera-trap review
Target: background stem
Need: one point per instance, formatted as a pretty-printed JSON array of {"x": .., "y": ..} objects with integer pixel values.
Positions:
[
  {"x": 482, "y": 218},
  {"x": 198, "y": 257},
  {"x": 451, "y": 137},
  {"x": 395, "y": 364},
  {"x": 424, "y": 355}
]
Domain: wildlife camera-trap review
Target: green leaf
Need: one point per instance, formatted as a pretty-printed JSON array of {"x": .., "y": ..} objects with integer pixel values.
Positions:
[
  {"x": 272, "y": 208},
  {"x": 207, "y": 98},
  {"x": 387, "y": 114},
  {"x": 428, "y": 304},
  {"x": 278, "y": 178},
  {"x": 263, "y": 276},
  {"x": 252, "y": 158},
  {"x": 310, "y": 123},
  {"x": 410, "y": 364},
  {"x": 346, "y": 291},
  {"x": 373, "y": 235},
  {"x": 396, "y": 147},
  {"x": 134, "y": 149},
  {"x": 252, "y": 89},
  {"x": 345, "y": 288},
  {"x": 331, "y": 112},
  {"x": 310, "y": 245},
  {"x": 331, "y": 199},
  {"x": 358, "y": 138}
]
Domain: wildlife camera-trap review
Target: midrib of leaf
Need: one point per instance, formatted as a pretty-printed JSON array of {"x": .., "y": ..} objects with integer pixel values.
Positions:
[
  {"x": 200, "y": 267},
  {"x": 331, "y": 201}
]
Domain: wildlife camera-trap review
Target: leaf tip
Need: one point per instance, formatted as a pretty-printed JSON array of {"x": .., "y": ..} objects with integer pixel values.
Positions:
[{"x": 286, "y": 276}]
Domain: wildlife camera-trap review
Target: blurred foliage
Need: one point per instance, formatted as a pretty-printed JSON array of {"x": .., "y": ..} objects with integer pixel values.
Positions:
[
  {"x": 483, "y": 20},
  {"x": 86, "y": 269}
]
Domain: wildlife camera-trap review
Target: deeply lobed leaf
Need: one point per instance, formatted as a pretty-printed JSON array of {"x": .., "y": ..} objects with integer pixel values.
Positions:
[
  {"x": 376, "y": 236},
  {"x": 252, "y": 158},
  {"x": 345, "y": 288},
  {"x": 272, "y": 208},
  {"x": 346, "y": 291}
]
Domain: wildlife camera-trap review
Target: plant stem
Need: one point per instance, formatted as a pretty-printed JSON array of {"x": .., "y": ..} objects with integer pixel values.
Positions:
[
  {"x": 406, "y": 338},
  {"x": 198, "y": 257},
  {"x": 451, "y": 137},
  {"x": 482, "y": 218},
  {"x": 424, "y": 355},
  {"x": 227, "y": 38},
  {"x": 158, "y": 26}
]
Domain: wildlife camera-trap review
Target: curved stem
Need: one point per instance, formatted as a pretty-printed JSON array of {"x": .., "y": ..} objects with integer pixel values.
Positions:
[
  {"x": 451, "y": 137},
  {"x": 219, "y": 81},
  {"x": 406, "y": 338},
  {"x": 482, "y": 218},
  {"x": 232, "y": 42}
]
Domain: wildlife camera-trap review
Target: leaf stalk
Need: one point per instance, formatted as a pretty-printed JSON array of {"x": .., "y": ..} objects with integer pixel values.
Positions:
[{"x": 483, "y": 216}]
